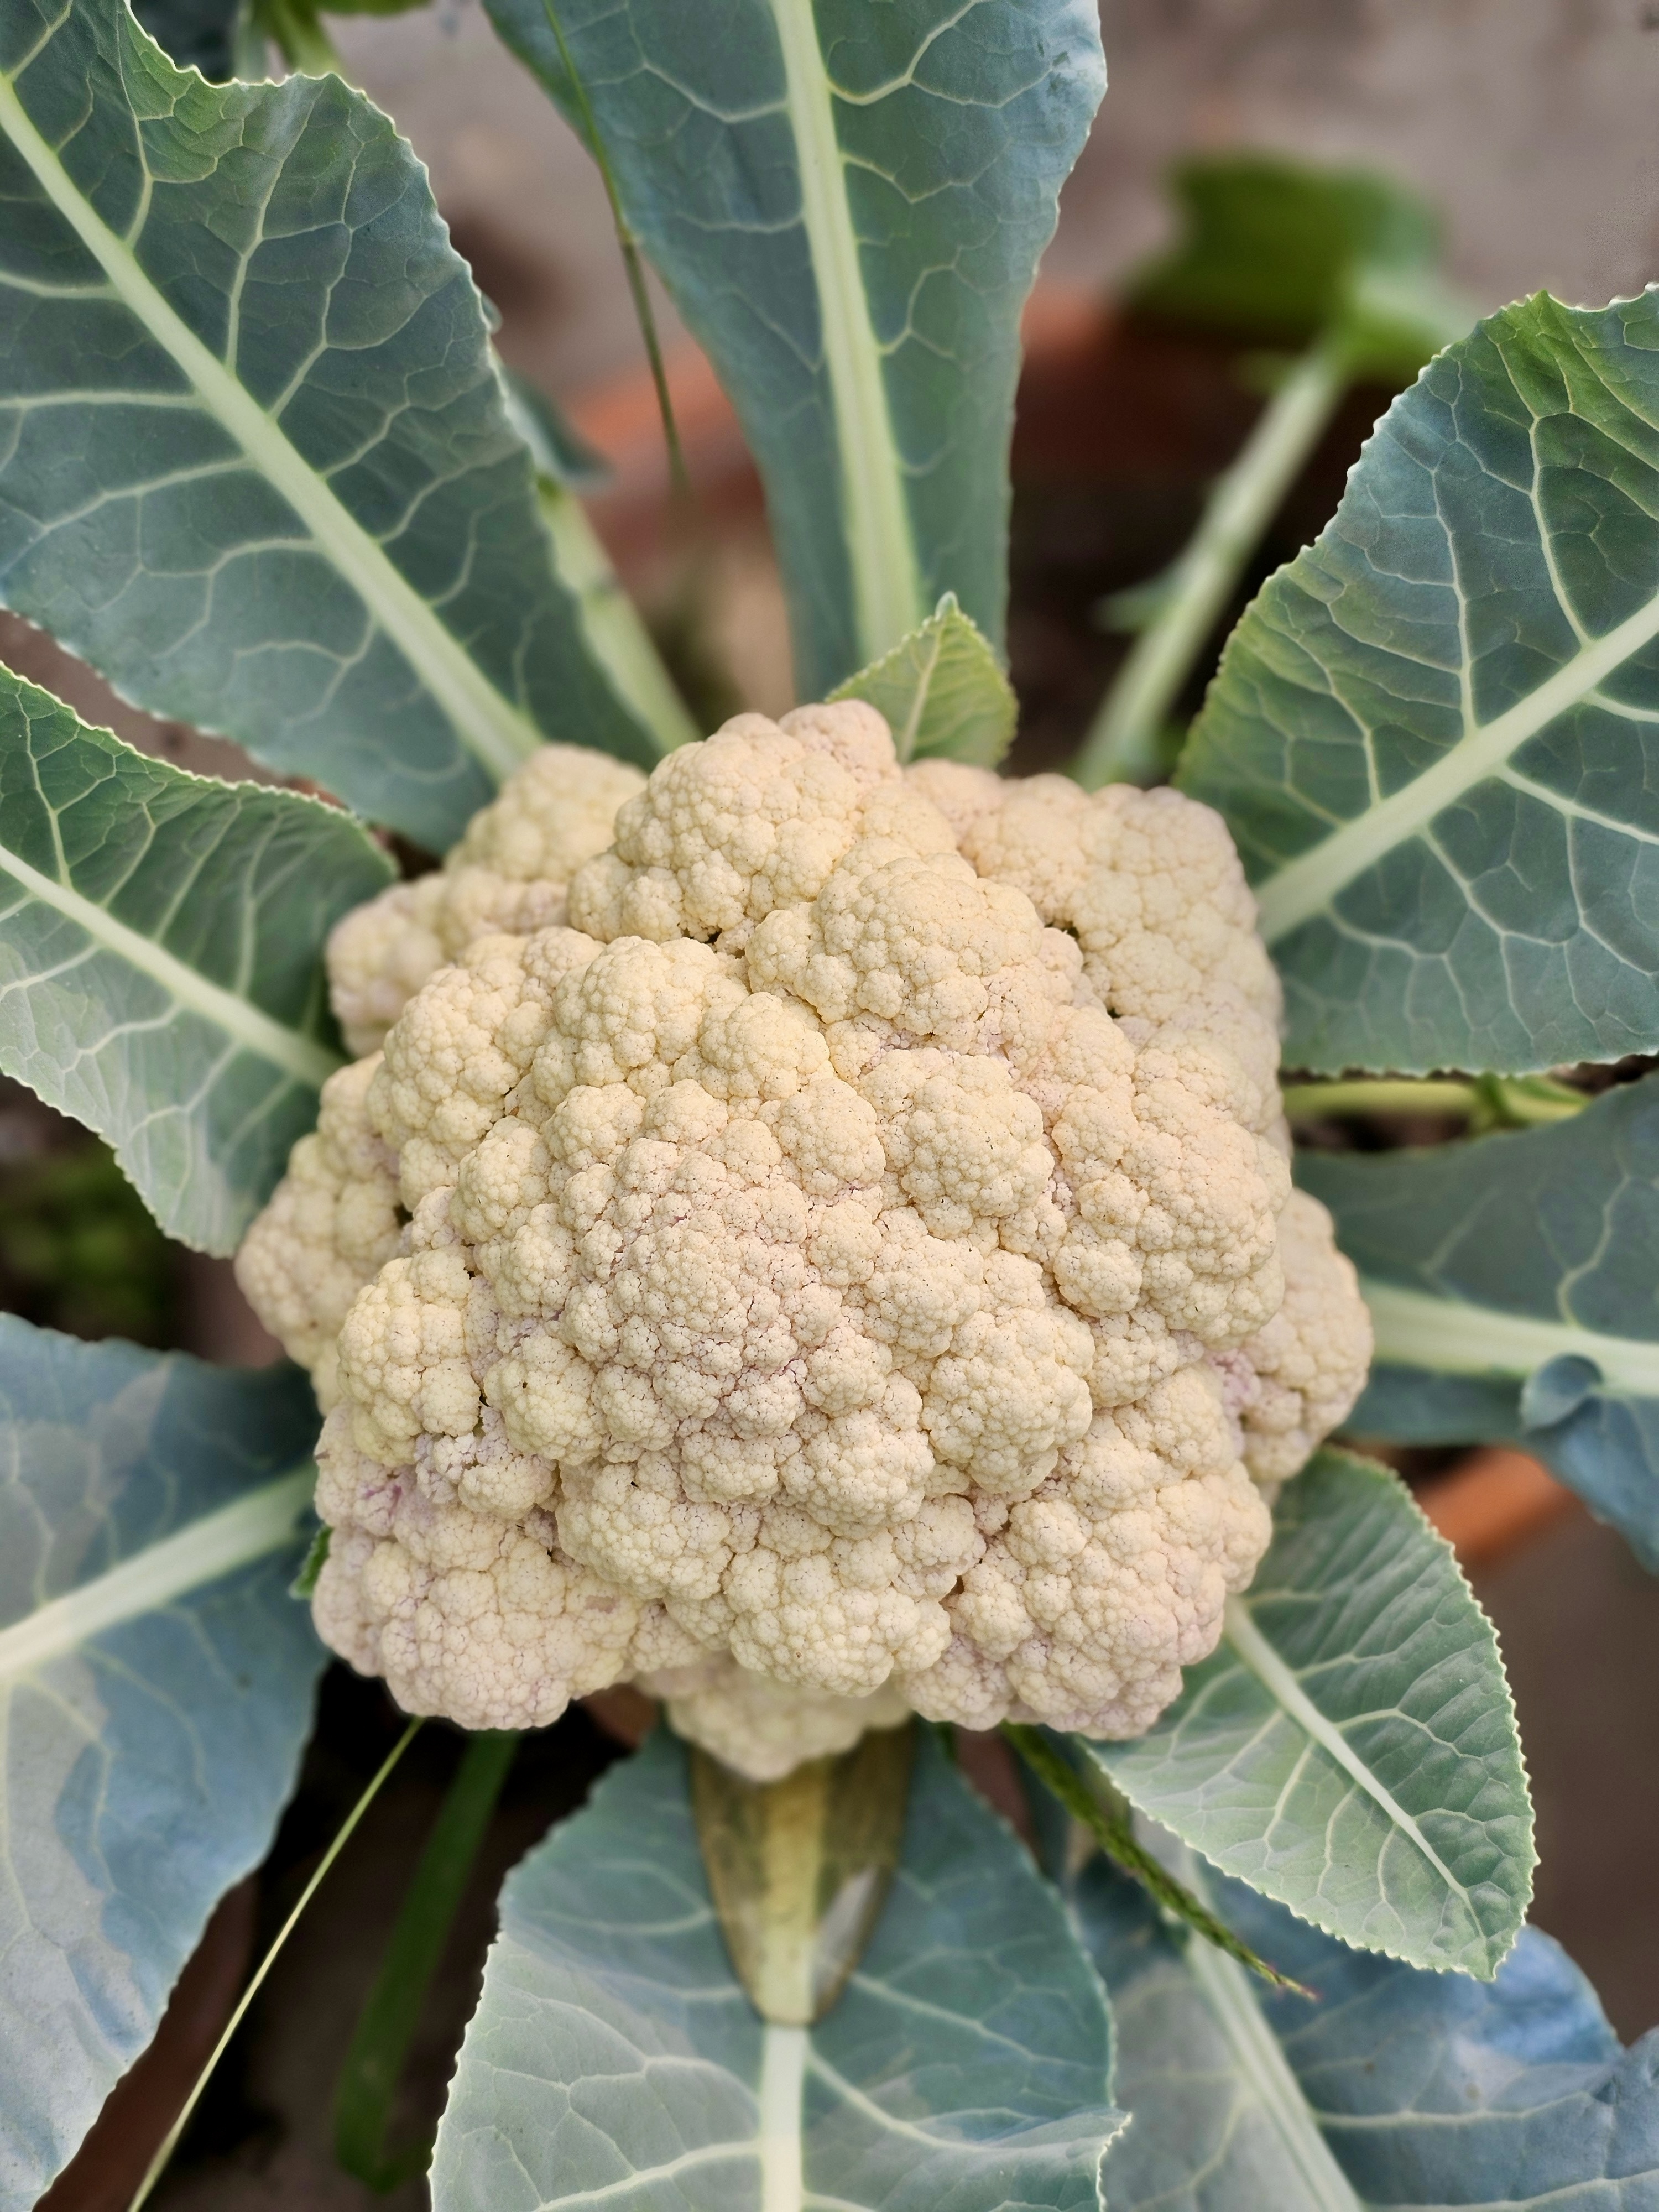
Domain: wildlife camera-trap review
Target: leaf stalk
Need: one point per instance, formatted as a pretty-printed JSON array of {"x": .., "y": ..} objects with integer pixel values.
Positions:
[
  {"x": 297, "y": 32},
  {"x": 1124, "y": 738},
  {"x": 1110, "y": 1826},
  {"x": 1484, "y": 1102},
  {"x": 633, "y": 262},
  {"x": 368, "y": 2078}
]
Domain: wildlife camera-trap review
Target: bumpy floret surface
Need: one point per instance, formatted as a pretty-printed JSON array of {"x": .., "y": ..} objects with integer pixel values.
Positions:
[
  {"x": 836, "y": 1258},
  {"x": 510, "y": 871}
]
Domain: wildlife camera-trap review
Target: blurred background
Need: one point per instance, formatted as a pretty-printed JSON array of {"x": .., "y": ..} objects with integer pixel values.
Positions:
[
  {"x": 1529, "y": 122},
  {"x": 1528, "y": 125}
]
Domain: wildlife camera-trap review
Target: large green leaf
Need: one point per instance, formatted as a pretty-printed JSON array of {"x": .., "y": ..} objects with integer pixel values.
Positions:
[
  {"x": 1395, "y": 2088},
  {"x": 942, "y": 690},
  {"x": 1350, "y": 1749},
  {"x": 156, "y": 1682},
  {"x": 1514, "y": 1292},
  {"x": 1435, "y": 733},
  {"x": 847, "y": 203},
  {"x": 255, "y": 461},
  {"x": 614, "y": 2057},
  {"x": 160, "y": 972}
]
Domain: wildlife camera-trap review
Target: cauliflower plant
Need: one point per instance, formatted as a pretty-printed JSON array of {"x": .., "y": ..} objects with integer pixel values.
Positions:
[{"x": 824, "y": 1246}]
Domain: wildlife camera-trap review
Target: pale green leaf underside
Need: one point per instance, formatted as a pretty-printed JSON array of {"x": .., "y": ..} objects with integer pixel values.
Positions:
[
  {"x": 1484, "y": 1264},
  {"x": 848, "y": 203},
  {"x": 942, "y": 690},
  {"x": 161, "y": 973},
  {"x": 1220, "y": 2123},
  {"x": 614, "y": 2059},
  {"x": 1435, "y": 734},
  {"x": 255, "y": 460},
  {"x": 156, "y": 1682},
  {"x": 1393, "y": 2087},
  {"x": 1351, "y": 1748}
]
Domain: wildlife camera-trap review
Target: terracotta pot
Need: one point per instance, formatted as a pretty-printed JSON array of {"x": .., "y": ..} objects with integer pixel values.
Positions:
[{"x": 1494, "y": 1501}]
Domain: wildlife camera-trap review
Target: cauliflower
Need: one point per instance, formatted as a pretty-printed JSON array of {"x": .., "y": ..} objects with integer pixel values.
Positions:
[
  {"x": 829, "y": 1253},
  {"x": 510, "y": 872}
]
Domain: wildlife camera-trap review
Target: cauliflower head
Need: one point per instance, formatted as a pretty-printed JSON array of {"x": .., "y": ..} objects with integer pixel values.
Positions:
[
  {"x": 510, "y": 870},
  {"x": 824, "y": 1249}
]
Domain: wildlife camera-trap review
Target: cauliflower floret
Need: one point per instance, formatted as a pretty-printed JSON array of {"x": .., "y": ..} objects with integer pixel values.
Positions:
[
  {"x": 1111, "y": 1578},
  {"x": 333, "y": 1224},
  {"x": 1293, "y": 1381},
  {"x": 847, "y": 1264},
  {"x": 727, "y": 831},
  {"x": 511, "y": 871}
]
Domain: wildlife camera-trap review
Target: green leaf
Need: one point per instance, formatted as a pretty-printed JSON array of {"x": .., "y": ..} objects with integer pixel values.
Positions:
[
  {"x": 255, "y": 461},
  {"x": 1512, "y": 1287},
  {"x": 943, "y": 691},
  {"x": 368, "y": 2078},
  {"x": 614, "y": 2054},
  {"x": 1396, "y": 2087},
  {"x": 846, "y": 204},
  {"x": 1351, "y": 1749},
  {"x": 160, "y": 976},
  {"x": 1435, "y": 734},
  {"x": 1275, "y": 249},
  {"x": 304, "y": 1584},
  {"x": 155, "y": 1684},
  {"x": 1097, "y": 1806}
]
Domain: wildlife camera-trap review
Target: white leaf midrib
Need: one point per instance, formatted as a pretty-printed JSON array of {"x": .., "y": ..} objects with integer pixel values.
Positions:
[
  {"x": 300, "y": 1057},
  {"x": 934, "y": 650},
  {"x": 1454, "y": 1336},
  {"x": 1279, "y": 1680},
  {"x": 234, "y": 1536},
  {"x": 783, "y": 2079},
  {"x": 1303, "y": 887},
  {"x": 887, "y": 603},
  {"x": 489, "y": 726},
  {"x": 1262, "y": 2062}
]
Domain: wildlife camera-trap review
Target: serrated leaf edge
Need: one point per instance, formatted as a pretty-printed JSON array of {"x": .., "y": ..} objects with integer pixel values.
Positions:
[
  {"x": 497, "y": 734},
  {"x": 1390, "y": 1480},
  {"x": 1305, "y": 886},
  {"x": 1387, "y": 1476},
  {"x": 301, "y": 1057}
]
